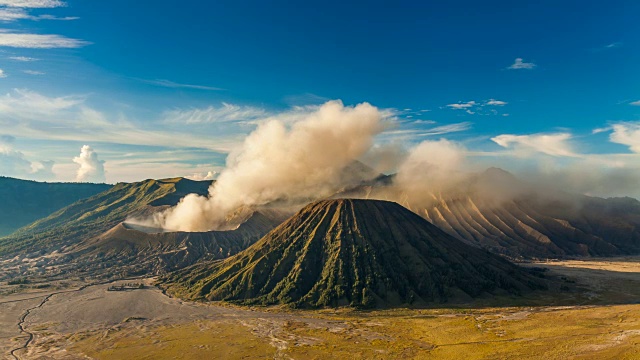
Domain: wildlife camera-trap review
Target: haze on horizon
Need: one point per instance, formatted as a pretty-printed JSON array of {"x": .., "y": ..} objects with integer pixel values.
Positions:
[{"x": 524, "y": 87}]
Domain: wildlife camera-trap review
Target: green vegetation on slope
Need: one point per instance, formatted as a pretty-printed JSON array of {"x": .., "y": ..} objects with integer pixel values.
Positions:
[
  {"x": 360, "y": 253},
  {"x": 95, "y": 215},
  {"x": 23, "y": 202}
]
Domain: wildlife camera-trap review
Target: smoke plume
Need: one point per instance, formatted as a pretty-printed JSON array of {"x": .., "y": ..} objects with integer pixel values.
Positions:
[
  {"x": 280, "y": 163},
  {"x": 91, "y": 168},
  {"x": 430, "y": 170},
  {"x": 307, "y": 155}
]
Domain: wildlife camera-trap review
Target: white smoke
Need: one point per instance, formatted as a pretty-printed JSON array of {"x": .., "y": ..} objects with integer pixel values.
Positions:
[
  {"x": 303, "y": 156},
  {"x": 91, "y": 168},
  {"x": 437, "y": 170},
  {"x": 276, "y": 162},
  {"x": 432, "y": 169},
  {"x": 384, "y": 159}
]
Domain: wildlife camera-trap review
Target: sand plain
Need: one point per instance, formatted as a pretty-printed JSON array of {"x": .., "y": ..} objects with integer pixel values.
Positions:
[{"x": 597, "y": 318}]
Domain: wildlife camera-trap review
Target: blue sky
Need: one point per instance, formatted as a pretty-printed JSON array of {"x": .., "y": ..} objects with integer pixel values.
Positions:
[{"x": 166, "y": 88}]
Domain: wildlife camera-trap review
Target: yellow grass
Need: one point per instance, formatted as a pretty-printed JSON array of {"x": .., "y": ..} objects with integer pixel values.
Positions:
[
  {"x": 536, "y": 331},
  {"x": 603, "y": 332}
]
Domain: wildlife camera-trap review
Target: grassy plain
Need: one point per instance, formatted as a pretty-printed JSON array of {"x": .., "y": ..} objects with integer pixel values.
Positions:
[
  {"x": 611, "y": 332},
  {"x": 602, "y": 323},
  {"x": 598, "y": 318}
]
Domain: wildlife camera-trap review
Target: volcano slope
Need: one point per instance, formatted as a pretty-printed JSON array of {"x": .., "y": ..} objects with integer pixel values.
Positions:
[
  {"x": 499, "y": 212},
  {"x": 525, "y": 221},
  {"x": 359, "y": 253},
  {"x": 91, "y": 237},
  {"x": 134, "y": 252}
]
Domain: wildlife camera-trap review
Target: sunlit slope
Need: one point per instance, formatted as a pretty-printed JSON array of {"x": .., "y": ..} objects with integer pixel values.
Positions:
[
  {"x": 23, "y": 202},
  {"x": 362, "y": 253},
  {"x": 528, "y": 222},
  {"x": 95, "y": 215}
]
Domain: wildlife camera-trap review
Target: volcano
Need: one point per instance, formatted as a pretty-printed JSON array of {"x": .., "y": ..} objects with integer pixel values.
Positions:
[{"x": 359, "y": 253}]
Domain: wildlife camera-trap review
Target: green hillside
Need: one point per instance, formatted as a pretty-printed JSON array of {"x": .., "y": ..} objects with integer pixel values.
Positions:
[
  {"x": 23, "y": 201},
  {"x": 95, "y": 215}
]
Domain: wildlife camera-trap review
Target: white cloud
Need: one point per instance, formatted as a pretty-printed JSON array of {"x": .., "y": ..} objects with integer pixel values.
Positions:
[
  {"x": 2, "y": 74},
  {"x": 32, "y": 3},
  {"x": 210, "y": 175},
  {"x": 33, "y": 72},
  {"x": 446, "y": 129},
  {"x": 305, "y": 99},
  {"x": 494, "y": 102},
  {"x": 175, "y": 85},
  {"x": 613, "y": 45},
  {"x": 23, "y": 58},
  {"x": 161, "y": 169},
  {"x": 14, "y": 163},
  {"x": 71, "y": 120},
  {"x": 42, "y": 170},
  {"x": 427, "y": 122},
  {"x": 35, "y": 116},
  {"x": 627, "y": 134},
  {"x": 413, "y": 134},
  {"x": 91, "y": 168},
  {"x": 225, "y": 113},
  {"x": 601, "y": 130},
  {"x": 635, "y": 103},
  {"x": 51, "y": 17},
  {"x": 26, "y": 103},
  {"x": 462, "y": 105},
  {"x": 520, "y": 64},
  {"x": 37, "y": 41},
  {"x": 15, "y": 14},
  {"x": 478, "y": 107},
  {"x": 550, "y": 144}
]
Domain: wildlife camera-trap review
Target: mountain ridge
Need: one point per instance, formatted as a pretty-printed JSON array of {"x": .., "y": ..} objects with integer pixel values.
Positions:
[
  {"x": 26, "y": 201},
  {"x": 90, "y": 216},
  {"x": 497, "y": 211}
]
